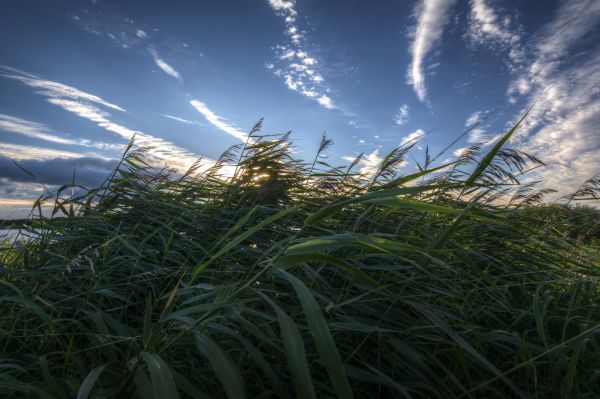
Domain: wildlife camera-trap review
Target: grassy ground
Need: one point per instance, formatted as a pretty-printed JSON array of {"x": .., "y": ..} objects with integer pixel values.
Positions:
[{"x": 305, "y": 280}]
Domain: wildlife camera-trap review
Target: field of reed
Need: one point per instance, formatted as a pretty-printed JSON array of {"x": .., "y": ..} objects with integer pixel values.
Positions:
[{"x": 269, "y": 277}]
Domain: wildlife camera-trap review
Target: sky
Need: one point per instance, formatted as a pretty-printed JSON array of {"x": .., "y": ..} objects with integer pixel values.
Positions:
[{"x": 190, "y": 78}]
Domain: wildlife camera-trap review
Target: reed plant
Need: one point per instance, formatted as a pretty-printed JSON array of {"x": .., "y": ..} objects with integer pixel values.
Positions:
[{"x": 268, "y": 277}]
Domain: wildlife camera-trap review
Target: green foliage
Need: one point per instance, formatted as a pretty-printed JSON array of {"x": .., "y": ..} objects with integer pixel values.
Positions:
[{"x": 267, "y": 277}]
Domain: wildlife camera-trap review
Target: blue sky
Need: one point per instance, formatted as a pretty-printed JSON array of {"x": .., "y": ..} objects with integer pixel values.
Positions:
[{"x": 190, "y": 78}]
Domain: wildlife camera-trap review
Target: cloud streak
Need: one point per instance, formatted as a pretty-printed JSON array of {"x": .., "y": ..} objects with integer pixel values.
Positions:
[
  {"x": 13, "y": 124},
  {"x": 218, "y": 122},
  {"x": 20, "y": 152},
  {"x": 162, "y": 64},
  {"x": 182, "y": 120},
  {"x": 296, "y": 67},
  {"x": 432, "y": 16},
  {"x": 49, "y": 88},
  {"x": 85, "y": 105}
]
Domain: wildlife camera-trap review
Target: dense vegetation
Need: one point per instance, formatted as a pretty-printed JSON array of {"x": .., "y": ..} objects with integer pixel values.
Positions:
[{"x": 288, "y": 279}]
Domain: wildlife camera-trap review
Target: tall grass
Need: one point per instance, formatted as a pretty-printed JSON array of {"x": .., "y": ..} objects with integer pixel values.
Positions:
[{"x": 293, "y": 279}]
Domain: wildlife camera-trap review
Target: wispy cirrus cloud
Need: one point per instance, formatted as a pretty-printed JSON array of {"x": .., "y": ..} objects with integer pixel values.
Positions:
[
  {"x": 487, "y": 27},
  {"x": 218, "y": 122},
  {"x": 476, "y": 133},
  {"x": 20, "y": 152},
  {"x": 130, "y": 34},
  {"x": 485, "y": 24},
  {"x": 475, "y": 118},
  {"x": 162, "y": 64},
  {"x": 49, "y": 88},
  {"x": 121, "y": 30},
  {"x": 159, "y": 148},
  {"x": 13, "y": 124},
  {"x": 298, "y": 69},
  {"x": 182, "y": 120},
  {"x": 86, "y": 105},
  {"x": 403, "y": 116},
  {"x": 477, "y": 130},
  {"x": 432, "y": 16},
  {"x": 562, "y": 127},
  {"x": 141, "y": 34}
]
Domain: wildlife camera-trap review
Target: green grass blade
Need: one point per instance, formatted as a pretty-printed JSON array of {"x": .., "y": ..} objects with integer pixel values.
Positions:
[
  {"x": 295, "y": 352},
  {"x": 291, "y": 260},
  {"x": 414, "y": 176},
  {"x": 88, "y": 384},
  {"x": 332, "y": 242},
  {"x": 387, "y": 193},
  {"x": 322, "y": 336},
  {"x": 244, "y": 236},
  {"x": 163, "y": 385},
  {"x": 400, "y": 203},
  {"x": 226, "y": 370},
  {"x": 488, "y": 158}
]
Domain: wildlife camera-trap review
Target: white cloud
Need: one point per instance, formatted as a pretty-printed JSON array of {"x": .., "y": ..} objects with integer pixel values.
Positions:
[
  {"x": 575, "y": 19},
  {"x": 459, "y": 151},
  {"x": 178, "y": 119},
  {"x": 411, "y": 138},
  {"x": 283, "y": 5},
  {"x": 485, "y": 24},
  {"x": 121, "y": 42},
  {"x": 562, "y": 127},
  {"x": 288, "y": 54},
  {"x": 161, "y": 149},
  {"x": 432, "y": 16},
  {"x": 486, "y": 27},
  {"x": 141, "y": 34},
  {"x": 402, "y": 117},
  {"x": 325, "y": 101},
  {"x": 477, "y": 133},
  {"x": 81, "y": 104},
  {"x": 217, "y": 121},
  {"x": 162, "y": 64},
  {"x": 477, "y": 136},
  {"x": 291, "y": 83},
  {"x": 474, "y": 118},
  {"x": 297, "y": 68},
  {"x": 9, "y": 123},
  {"x": 23, "y": 152},
  {"x": 54, "y": 89},
  {"x": 121, "y": 30},
  {"x": 369, "y": 163},
  {"x": 520, "y": 86}
]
